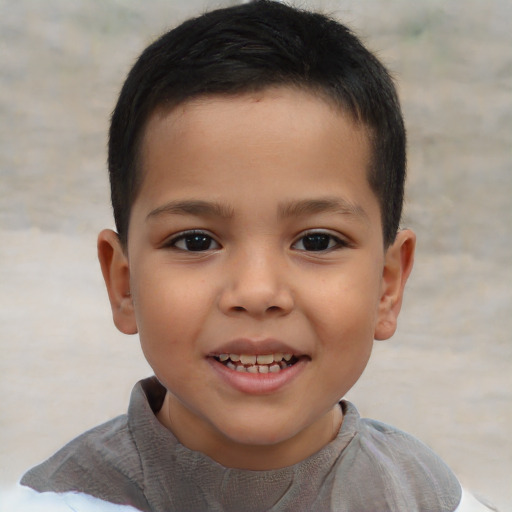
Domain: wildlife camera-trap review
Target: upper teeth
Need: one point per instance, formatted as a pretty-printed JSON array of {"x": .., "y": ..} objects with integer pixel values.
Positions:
[{"x": 251, "y": 359}]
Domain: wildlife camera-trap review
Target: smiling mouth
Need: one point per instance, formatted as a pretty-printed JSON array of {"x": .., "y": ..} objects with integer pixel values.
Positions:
[{"x": 265, "y": 363}]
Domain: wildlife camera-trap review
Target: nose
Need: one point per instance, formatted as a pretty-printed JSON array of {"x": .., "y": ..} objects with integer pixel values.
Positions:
[{"x": 256, "y": 285}]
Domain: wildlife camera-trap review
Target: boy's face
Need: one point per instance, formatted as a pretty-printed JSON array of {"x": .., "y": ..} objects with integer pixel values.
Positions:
[{"x": 255, "y": 233}]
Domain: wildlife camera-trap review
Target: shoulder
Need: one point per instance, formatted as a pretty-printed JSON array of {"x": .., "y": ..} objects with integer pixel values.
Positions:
[
  {"x": 394, "y": 470},
  {"x": 24, "y": 499},
  {"x": 106, "y": 462},
  {"x": 388, "y": 446},
  {"x": 399, "y": 472},
  {"x": 103, "y": 462},
  {"x": 383, "y": 441}
]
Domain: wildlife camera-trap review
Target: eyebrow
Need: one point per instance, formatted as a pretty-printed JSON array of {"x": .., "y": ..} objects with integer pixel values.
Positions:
[
  {"x": 192, "y": 207},
  {"x": 335, "y": 205},
  {"x": 299, "y": 208}
]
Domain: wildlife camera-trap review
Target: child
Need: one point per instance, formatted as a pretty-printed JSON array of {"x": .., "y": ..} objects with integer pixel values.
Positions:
[{"x": 257, "y": 164}]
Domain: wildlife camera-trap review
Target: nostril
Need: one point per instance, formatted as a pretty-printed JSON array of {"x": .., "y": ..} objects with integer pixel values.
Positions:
[{"x": 239, "y": 308}]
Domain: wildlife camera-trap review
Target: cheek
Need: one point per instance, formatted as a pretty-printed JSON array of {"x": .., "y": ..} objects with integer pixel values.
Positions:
[
  {"x": 170, "y": 308},
  {"x": 345, "y": 303},
  {"x": 345, "y": 329}
]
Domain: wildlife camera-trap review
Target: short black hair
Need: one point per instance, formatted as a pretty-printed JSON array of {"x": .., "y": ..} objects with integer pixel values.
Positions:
[{"x": 248, "y": 48}]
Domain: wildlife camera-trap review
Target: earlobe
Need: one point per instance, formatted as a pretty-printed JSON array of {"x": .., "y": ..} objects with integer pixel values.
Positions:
[
  {"x": 398, "y": 264},
  {"x": 116, "y": 273}
]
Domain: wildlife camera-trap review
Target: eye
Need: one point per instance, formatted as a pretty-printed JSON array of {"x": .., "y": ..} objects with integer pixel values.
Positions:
[
  {"x": 318, "y": 241},
  {"x": 194, "y": 241}
]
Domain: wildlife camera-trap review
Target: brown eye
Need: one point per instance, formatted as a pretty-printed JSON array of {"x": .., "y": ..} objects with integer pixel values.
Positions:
[
  {"x": 194, "y": 242},
  {"x": 317, "y": 242}
]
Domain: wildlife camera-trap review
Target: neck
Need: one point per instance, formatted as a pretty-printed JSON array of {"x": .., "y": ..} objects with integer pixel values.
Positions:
[{"x": 200, "y": 437}]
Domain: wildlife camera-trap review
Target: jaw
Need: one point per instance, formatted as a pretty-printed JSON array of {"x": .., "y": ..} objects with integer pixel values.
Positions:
[{"x": 256, "y": 435}]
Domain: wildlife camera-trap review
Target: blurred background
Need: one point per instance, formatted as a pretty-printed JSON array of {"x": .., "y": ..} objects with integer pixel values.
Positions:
[{"x": 446, "y": 376}]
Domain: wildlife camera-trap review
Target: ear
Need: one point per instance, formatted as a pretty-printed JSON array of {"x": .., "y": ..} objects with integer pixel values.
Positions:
[
  {"x": 399, "y": 259},
  {"x": 116, "y": 273}
]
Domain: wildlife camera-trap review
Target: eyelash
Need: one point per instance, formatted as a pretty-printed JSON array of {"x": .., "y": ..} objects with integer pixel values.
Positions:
[
  {"x": 174, "y": 241},
  {"x": 334, "y": 242},
  {"x": 202, "y": 237}
]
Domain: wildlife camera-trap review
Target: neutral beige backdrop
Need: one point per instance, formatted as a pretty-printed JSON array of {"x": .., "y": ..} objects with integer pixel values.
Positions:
[{"x": 446, "y": 376}]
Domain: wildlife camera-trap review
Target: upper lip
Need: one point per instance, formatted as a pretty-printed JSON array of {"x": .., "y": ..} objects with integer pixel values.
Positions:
[{"x": 253, "y": 346}]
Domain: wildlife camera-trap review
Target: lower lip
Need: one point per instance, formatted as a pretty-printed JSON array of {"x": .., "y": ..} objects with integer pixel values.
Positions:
[{"x": 258, "y": 383}]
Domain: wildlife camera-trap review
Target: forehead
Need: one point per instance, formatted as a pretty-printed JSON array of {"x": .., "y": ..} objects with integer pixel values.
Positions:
[
  {"x": 283, "y": 107},
  {"x": 279, "y": 139}
]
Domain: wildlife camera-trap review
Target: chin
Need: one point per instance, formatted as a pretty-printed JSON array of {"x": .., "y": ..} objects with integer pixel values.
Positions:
[{"x": 258, "y": 434}]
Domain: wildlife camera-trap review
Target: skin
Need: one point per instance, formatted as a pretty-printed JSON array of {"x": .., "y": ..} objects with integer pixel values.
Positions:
[{"x": 277, "y": 166}]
